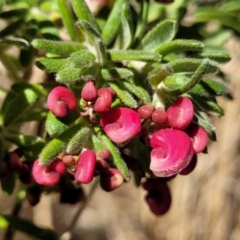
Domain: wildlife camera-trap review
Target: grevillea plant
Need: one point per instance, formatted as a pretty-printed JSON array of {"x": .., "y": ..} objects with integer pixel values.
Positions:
[{"x": 123, "y": 97}]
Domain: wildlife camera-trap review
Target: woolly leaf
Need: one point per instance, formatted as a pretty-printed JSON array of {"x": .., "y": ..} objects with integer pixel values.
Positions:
[
  {"x": 51, "y": 64},
  {"x": 80, "y": 58},
  {"x": 115, "y": 73}
]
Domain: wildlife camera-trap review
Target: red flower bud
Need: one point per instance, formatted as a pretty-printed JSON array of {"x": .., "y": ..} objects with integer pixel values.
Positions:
[
  {"x": 14, "y": 162},
  {"x": 172, "y": 152},
  {"x": 120, "y": 124},
  {"x": 60, "y": 101},
  {"x": 104, "y": 154},
  {"x": 85, "y": 166},
  {"x": 145, "y": 111},
  {"x": 180, "y": 113},
  {"x": 159, "y": 116},
  {"x": 48, "y": 175},
  {"x": 159, "y": 198},
  {"x": 110, "y": 179},
  {"x": 104, "y": 100},
  {"x": 199, "y": 137},
  {"x": 89, "y": 92}
]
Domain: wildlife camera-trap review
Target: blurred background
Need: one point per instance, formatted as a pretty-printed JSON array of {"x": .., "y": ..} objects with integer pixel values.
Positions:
[{"x": 205, "y": 204}]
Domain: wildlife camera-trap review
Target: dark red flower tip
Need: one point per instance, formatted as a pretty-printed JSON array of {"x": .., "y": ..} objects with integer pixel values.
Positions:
[
  {"x": 145, "y": 111},
  {"x": 159, "y": 199},
  {"x": 172, "y": 152},
  {"x": 180, "y": 113},
  {"x": 60, "y": 101},
  {"x": 190, "y": 167},
  {"x": 14, "y": 162},
  {"x": 110, "y": 179},
  {"x": 104, "y": 100},
  {"x": 159, "y": 116},
  {"x": 89, "y": 92},
  {"x": 120, "y": 124},
  {"x": 48, "y": 175},
  {"x": 199, "y": 137},
  {"x": 33, "y": 194},
  {"x": 85, "y": 166}
]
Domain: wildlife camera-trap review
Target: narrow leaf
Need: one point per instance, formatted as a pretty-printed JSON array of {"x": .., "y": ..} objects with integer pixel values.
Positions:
[
  {"x": 79, "y": 140},
  {"x": 51, "y": 64},
  {"x": 124, "y": 95},
  {"x": 80, "y": 58},
  {"x": 217, "y": 88},
  {"x": 82, "y": 12},
  {"x": 115, "y": 73},
  {"x": 180, "y": 45},
  {"x": 112, "y": 25},
  {"x": 57, "y": 47},
  {"x": 28, "y": 227},
  {"x": 117, "y": 159},
  {"x": 162, "y": 33},
  {"x": 67, "y": 18},
  {"x": 70, "y": 75},
  {"x": 218, "y": 57},
  {"x": 11, "y": 28},
  {"x": 18, "y": 12},
  {"x": 134, "y": 55},
  {"x": 8, "y": 183}
]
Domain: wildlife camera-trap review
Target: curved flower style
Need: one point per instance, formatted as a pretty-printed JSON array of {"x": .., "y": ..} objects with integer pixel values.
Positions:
[
  {"x": 180, "y": 113},
  {"x": 172, "y": 152},
  {"x": 48, "y": 175},
  {"x": 199, "y": 137},
  {"x": 85, "y": 166},
  {"x": 60, "y": 101},
  {"x": 104, "y": 100},
  {"x": 89, "y": 92},
  {"x": 158, "y": 197},
  {"x": 120, "y": 124}
]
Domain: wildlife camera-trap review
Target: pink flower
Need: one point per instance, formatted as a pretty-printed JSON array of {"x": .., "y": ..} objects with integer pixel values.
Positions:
[
  {"x": 172, "y": 152},
  {"x": 158, "y": 197},
  {"x": 89, "y": 92},
  {"x": 159, "y": 116},
  {"x": 180, "y": 113},
  {"x": 60, "y": 101},
  {"x": 110, "y": 179},
  {"x": 104, "y": 100},
  {"x": 120, "y": 124},
  {"x": 48, "y": 175},
  {"x": 190, "y": 167},
  {"x": 145, "y": 111},
  {"x": 199, "y": 137},
  {"x": 85, "y": 166}
]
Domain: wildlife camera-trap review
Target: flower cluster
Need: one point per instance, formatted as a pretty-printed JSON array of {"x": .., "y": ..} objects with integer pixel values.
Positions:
[{"x": 171, "y": 134}]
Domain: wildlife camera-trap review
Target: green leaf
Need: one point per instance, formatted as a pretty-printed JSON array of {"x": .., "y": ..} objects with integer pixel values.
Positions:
[
  {"x": 204, "y": 121},
  {"x": 28, "y": 227},
  {"x": 157, "y": 75},
  {"x": 204, "y": 68},
  {"x": 57, "y": 47},
  {"x": 133, "y": 86},
  {"x": 18, "y": 42},
  {"x": 82, "y": 12},
  {"x": 79, "y": 140},
  {"x": 162, "y": 33},
  {"x": 217, "y": 88},
  {"x": 18, "y": 12},
  {"x": 126, "y": 33},
  {"x": 113, "y": 23},
  {"x": 180, "y": 45},
  {"x": 134, "y": 55},
  {"x": 96, "y": 143},
  {"x": 67, "y": 18},
  {"x": 124, "y": 95},
  {"x": 218, "y": 57},
  {"x": 58, "y": 144},
  {"x": 70, "y": 75},
  {"x": 19, "y": 100},
  {"x": 117, "y": 158},
  {"x": 26, "y": 56},
  {"x": 115, "y": 73},
  {"x": 11, "y": 28},
  {"x": 55, "y": 126},
  {"x": 51, "y": 64},
  {"x": 191, "y": 65},
  {"x": 20, "y": 139},
  {"x": 210, "y": 105},
  {"x": 80, "y": 58},
  {"x": 8, "y": 183},
  {"x": 94, "y": 37}
]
